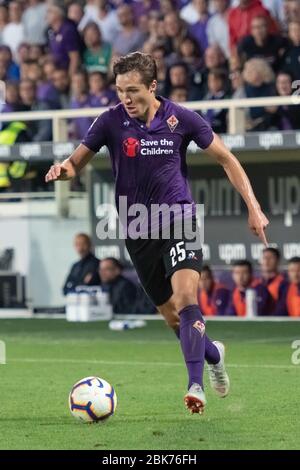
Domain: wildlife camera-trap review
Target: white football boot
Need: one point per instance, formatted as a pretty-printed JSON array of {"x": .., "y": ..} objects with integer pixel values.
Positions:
[
  {"x": 195, "y": 400},
  {"x": 218, "y": 377}
]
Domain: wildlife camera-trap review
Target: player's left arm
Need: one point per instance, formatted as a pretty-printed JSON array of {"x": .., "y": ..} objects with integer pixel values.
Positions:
[{"x": 257, "y": 220}]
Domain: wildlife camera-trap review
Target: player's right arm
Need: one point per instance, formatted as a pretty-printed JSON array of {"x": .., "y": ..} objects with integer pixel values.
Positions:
[{"x": 71, "y": 166}]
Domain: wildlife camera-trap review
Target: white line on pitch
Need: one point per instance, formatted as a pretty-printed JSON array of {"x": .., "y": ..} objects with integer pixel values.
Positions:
[{"x": 138, "y": 363}]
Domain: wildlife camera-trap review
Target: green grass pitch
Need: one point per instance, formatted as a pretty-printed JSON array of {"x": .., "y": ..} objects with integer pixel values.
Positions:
[{"x": 46, "y": 357}]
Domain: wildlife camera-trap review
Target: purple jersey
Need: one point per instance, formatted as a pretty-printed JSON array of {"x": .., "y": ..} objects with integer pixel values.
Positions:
[{"x": 149, "y": 164}]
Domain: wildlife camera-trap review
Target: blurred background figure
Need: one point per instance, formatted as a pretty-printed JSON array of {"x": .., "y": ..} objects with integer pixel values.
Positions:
[
  {"x": 242, "y": 274},
  {"x": 84, "y": 271},
  {"x": 213, "y": 297},
  {"x": 271, "y": 277}
]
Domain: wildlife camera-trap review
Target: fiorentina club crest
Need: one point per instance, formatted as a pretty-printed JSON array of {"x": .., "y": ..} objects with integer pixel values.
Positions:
[
  {"x": 172, "y": 122},
  {"x": 131, "y": 146},
  {"x": 199, "y": 326}
]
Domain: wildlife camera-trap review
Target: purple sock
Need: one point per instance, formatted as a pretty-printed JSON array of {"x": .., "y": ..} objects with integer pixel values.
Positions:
[
  {"x": 192, "y": 329},
  {"x": 212, "y": 355}
]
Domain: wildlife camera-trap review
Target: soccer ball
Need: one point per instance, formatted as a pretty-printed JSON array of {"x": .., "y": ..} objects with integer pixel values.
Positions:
[{"x": 92, "y": 399}]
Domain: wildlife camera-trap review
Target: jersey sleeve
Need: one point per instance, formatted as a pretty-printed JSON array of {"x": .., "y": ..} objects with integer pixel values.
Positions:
[
  {"x": 198, "y": 129},
  {"x": 96, "y": 136}
]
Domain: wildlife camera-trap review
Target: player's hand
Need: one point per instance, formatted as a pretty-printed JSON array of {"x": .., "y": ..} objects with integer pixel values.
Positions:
[
  {"x": 257, "y": 223},
  {"x": 58, "y": 172}
]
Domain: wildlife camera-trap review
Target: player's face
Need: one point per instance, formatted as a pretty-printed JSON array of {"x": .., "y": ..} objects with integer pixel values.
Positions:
[
  {"x": 269, "y": 262},
  {"x": 135, "y": 95},
  {"x": 206, "y": 281},
  {"x": 294, "y": 272},
  {"x": 241, "y": 276},
  {"x": 82, "y": 246}
]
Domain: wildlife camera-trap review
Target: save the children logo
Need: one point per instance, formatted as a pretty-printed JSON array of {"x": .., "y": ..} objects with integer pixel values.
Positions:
[{"x": 131, "y": 147}]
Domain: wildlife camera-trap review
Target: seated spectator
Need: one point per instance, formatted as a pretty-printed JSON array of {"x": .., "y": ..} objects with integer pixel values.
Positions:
[
  {"x": 285, "y": 117},
  {"x": 80, "y": 98},
  {"x": 240, "y": 17},
  {"x": 158, "y": 53},
  {"x": 198, "y": 29},
  {"x": 11, "y": 67},
  {"x": 217, "y": 90},
  {"x": 97, "y": 56},
  {"x": 293, "y": 290},
  {"x": 100, "y": 93},
  {"x": 122, "y": 292},
  {"x": 261, "y": 43},
  {"x": 259, "y": 82},
  {"x": 105, "y": 17},
  {"x": 153, "y": 37},
  {"x": 271, "y": 277},
  {"x": 84, "y": 271},
  {"x": 213, "y": 59},
  {"x": 189, "y": 52},
  {"x": 175, "y": 31},
  {"x": 129, "y": 38},
  {"x": 213, "y": 297},
  {"x": 13, "y": 33},
  {"x": 242, "y": 274},
  {"x": 35, "y": 23},
  {"x": 3, "y": 20},
  {"x": 41, "y": 131},
  {"x": 12, "y": 98},
  {"x": 57, "y": 92},
  {"x": 237, "y": 83},
  {"x": 217, "y": 27},
  {"x": 194, "y": 11},
  {"x": 291, "y": 59},
  {"x": 179, "y": 94},
  {"x": 75, "y": 12},
  {"x": 64, "y": 40}
]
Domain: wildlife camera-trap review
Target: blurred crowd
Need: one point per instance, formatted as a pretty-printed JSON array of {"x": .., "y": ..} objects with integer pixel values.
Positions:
[
  {"x": 243, "y": 292},
  {"x": 58, "y": 55}
]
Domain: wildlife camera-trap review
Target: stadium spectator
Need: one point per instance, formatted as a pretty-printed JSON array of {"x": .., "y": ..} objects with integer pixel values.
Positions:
[
  {"x": 240, "y": 17},
  {"x": 84, "y": 271},
  {"x": 285, "y": 117},
  {"x": 100, "y": 93},
  {"x": 97, "y": 54},
  {"x": 153, "y": 37},
  {"x": 59, "y": 89},
  {"x": 213, "y": 297},
  {"x": 80, "y": 99},
  {"x": 64, "y": 40},
  {"x": 35, "y": 23},
  {"x": 13, "y": 33},
  {"x": 291, "y": 59},
  {"x": 242, "y": 274},
  {"x": 189, "y": 52},
  {"x": 41, "y": 131},
  {"x": 259, "y": 81},
  {"x": 12, "y": 98},
  {"x": 106, "y": 18},
  {"x": 122, "y": 292},
  {"x": 198, "y": 29},
  {"x": 213, "y": 59},
  {"x": 158, "y": 53},
  {"x": 178, "y": 75},
  {"x": 75, "y": 12},
  {"x": 271, "y": 277},
  {"x": 237, "y": 83},
  {"x": 291, "y": 11},
  {"x": 3, "y": 20},
  {"x": 129, "y": 38},
  {"x": 217, "y": 90},
  {"x": 194, "y": 11},
  {"x": 217, "y": 27},
  {"x": 261, "y": 43},
  {"x": 36, "y": 52},
  {"x": 179, "y": 94},
  {"x": 175, "y": 31},
  {"x": 12, "y": 70}
]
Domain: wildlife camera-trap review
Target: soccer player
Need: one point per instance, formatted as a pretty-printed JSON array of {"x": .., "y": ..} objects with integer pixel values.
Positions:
[
  {"x": 147, "y": 137},
  {"x": 213, "y": 297}
]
